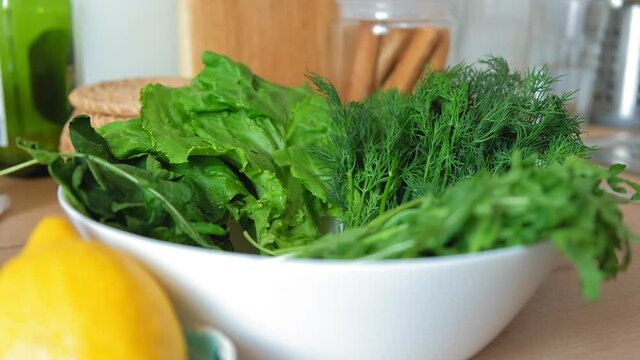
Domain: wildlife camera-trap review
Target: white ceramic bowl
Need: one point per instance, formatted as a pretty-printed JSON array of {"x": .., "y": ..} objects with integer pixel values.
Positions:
[{"x": 290, "y": 309}]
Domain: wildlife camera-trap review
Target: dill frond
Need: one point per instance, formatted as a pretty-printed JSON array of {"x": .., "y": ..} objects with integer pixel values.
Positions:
[{"x": 392, "y": 147}]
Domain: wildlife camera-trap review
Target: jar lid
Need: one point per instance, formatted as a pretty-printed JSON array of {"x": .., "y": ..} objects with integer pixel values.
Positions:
[{"x": 396, "y": 9}]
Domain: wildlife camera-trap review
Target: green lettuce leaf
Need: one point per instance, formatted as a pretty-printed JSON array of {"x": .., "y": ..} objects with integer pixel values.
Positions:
[{"x": 237, "y": 142}]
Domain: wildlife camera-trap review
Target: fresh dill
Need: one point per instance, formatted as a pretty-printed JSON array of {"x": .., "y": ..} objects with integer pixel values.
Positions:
[{"x": 393, "y": 147}]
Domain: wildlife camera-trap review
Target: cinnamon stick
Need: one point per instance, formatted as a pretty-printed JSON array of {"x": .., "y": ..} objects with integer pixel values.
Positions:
[
  {"x": 390, "y": 50},
  {"x": 439, "y": 57},
  {"x": 364, "y": 63},
  {"x": 411, "y": 63}
]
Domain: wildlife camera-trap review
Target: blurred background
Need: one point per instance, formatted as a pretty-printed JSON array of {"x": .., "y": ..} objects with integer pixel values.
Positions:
[
  {"x": 282, "y": 40},
  {"x": 592, "y": 46}
]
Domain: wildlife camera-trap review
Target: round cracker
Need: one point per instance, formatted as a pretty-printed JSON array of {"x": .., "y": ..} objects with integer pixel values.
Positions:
[{"x": 119, "y": 98}]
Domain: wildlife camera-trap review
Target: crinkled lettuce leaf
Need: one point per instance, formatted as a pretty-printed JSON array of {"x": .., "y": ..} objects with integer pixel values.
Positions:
[{"x": 237, "y": 142}]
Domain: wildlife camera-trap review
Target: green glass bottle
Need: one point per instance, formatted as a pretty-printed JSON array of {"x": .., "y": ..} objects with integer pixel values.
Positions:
[{"x": 35, "y": 63}]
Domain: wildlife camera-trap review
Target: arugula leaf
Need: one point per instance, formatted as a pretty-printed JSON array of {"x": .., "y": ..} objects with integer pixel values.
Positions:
[
  {"x": 39, "y": 154},
  {"x": 138, "y": 195},
  {"x": 85, "y": 139}
]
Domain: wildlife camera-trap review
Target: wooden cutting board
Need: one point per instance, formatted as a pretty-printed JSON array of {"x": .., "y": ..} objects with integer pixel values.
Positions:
[{"x": 280, "y": 40}]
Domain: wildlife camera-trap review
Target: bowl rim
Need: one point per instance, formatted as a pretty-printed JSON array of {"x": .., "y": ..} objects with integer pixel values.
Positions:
[{"x": 446, "y": 260}]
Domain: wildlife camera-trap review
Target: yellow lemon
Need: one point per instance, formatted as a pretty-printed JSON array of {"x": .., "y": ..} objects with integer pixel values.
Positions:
[
  {"x": 67, "y": 298},
  {"x": 50, "y": 232}
]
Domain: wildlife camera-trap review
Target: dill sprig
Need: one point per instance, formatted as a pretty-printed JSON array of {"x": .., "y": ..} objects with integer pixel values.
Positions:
[{"x": 393, "y": 147}]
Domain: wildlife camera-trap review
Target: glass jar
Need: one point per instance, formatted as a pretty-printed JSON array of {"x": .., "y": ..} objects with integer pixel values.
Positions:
[
  {"x": 35, "y": 59},
  {"x": 567, "y": 36},
  {"x": 383, "y": 44},
  {"x": 497, "y": 28}
]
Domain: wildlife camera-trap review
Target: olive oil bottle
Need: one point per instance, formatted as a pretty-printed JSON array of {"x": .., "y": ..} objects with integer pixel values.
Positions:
[{"x": 35, "y": 65}]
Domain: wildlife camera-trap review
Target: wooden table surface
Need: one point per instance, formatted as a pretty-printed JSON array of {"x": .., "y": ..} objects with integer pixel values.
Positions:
[{"x": 556, "y": 324}]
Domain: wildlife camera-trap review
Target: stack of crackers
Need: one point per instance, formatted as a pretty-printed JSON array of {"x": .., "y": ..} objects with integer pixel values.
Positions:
[
  {"x": 110, "y": 101},
  {"x": 395, "y": 59}
]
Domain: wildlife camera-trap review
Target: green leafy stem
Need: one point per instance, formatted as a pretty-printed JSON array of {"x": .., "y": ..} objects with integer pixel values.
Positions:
[{"x": 141, "y": 183}]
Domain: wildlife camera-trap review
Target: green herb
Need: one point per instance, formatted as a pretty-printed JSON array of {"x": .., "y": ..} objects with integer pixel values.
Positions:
[
  {"x": 528, "y": 204},
  {"x": 199, "y": 157},
  {"x": 477, "y": 158},
  {"x": 393, "y": 147},
  {"x": 140, "y": 198}
]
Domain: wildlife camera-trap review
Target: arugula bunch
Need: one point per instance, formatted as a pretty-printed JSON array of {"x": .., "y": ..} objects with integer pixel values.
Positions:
[{"x": 563, "y": 203}]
